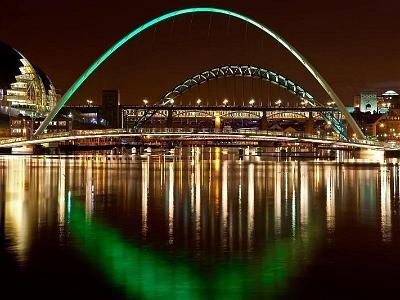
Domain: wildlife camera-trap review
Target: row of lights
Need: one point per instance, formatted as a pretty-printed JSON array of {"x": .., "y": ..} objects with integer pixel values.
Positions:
[{"x": 225, "y": 102}]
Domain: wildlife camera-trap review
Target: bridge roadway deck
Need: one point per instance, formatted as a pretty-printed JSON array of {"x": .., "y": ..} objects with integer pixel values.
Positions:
[{"x": 192, "y": 134}]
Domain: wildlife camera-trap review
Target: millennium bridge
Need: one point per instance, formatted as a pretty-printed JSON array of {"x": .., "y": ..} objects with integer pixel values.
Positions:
[{"x": 347, "y": 132}]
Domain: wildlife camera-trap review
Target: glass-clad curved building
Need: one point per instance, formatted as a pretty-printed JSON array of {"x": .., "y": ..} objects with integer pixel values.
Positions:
[{"x": 23, "y": 86}]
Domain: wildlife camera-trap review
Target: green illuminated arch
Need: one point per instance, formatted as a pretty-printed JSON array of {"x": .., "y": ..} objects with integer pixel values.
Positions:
[{"x": 164, "y": 17}]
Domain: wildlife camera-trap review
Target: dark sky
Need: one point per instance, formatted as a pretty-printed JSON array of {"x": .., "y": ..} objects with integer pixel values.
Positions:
[{"x": 355, "y": 45}]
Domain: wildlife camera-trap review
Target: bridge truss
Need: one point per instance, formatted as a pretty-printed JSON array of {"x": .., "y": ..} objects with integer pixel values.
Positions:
[{"x": 250, "y": 72}]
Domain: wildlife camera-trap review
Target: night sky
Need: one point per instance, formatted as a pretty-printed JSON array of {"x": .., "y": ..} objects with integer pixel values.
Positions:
[{"x": 355, "y": 45}]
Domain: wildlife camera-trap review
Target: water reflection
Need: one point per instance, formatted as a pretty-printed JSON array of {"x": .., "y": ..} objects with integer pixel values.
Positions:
[
  {"x": 330, "y": 179},
  {"x": 16, "y": 222},
  {"x": 200, "y": 222},
  {"x": 304, "y": 195},
  {"x": 170, "y": 200},
  {"x": 277, "y": 199},
  {"x": 386, "y": 213},
  {"x": 250, "y": 206},
  {"x": 145, "y": 194}
]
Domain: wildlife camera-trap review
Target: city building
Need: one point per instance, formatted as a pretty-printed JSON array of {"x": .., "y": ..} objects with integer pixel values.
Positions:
[
  {"x": 383, "y": 122},
  {"x": 24, "y": 126},
  {"x": 373, "y": 102},
  {"x": 391, "y": 99},
  {"x": 369, "y": 102},
  {"x": 84, "y": 114},
  {"x": 23, "y": 86},
  {"x": 110, "y": 108},
  {"x": 388, "y": 128},
  {"x": 367, "y": 121}
]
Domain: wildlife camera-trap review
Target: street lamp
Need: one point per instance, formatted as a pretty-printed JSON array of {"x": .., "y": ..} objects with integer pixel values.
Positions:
[
  {"x": 304, "y": 102},
  {"x": 198, "y": 101},
  {"x": 89, "y": 102},
  {"x": 225, "y": 102},
  {"x": 251, "y": 102},
  {"x": 278, "y": 102},
  {"x": 172, "y": 101},
  {"x": 145, "y": 102}
]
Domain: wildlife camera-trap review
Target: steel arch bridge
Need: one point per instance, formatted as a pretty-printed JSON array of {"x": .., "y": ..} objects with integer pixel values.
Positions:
[
  {"x": 237, "y": 71},
  {"x": 71, "y": 91},
  {"x": 249, "y": 72}
]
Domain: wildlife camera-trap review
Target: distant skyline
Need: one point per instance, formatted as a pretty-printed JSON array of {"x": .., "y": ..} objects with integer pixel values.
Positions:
[{"x": 355, "y": 45}]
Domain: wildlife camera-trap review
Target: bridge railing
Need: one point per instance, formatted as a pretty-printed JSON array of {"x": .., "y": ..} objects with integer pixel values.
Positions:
[
  {"x": 231, "y": 131},
  {"x": 79, "y": 133},
  {"x": 199, "y": 131},
  {"x": 12, "y": 140},
  {"x": 255, "y": 132},
  {"x": 373, "y": 143}
]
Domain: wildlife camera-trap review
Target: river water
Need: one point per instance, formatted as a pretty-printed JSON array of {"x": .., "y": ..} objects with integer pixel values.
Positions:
[{"x": 198, "y": 223}]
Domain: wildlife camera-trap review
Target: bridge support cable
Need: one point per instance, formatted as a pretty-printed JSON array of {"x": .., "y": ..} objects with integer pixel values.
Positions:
[{"x": 71, "y": 91}]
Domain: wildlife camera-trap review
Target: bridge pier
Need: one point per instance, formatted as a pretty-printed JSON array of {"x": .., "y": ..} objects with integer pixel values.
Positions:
[
  {"x": 264, "y": 121},
  {"x": 170, "y": 119},
  {"x": 309, "y": 128}
]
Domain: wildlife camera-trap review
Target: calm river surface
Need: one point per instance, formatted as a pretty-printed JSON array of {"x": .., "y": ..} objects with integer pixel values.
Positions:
[{"x": 201, "y": 223}]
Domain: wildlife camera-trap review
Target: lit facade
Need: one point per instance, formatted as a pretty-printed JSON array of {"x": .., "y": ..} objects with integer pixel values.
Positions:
[
  {"x": 369, "y": 101},
  {"x": 24, "y": 126},
  {"x": 24, "y": 86},
  {"x": 373, "y": 102}
]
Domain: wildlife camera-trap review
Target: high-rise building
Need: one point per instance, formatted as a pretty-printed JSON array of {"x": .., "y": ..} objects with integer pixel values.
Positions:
[{"x": 110, "y": 108}]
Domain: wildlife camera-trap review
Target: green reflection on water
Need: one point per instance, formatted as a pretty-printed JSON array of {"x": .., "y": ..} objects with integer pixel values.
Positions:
[
  {"x": 268, "y": 277},
  {"x": 146, "y": 274},
  {"x": 138, "y": 272}
]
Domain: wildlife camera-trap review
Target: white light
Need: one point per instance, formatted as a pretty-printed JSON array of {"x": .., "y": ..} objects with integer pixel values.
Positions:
[
  {"x": 225, "y": 102},
  {"x": 198, "y": 101},
  {"x": 251, "y": 102},
  {"x": 145, "y": 101}
]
